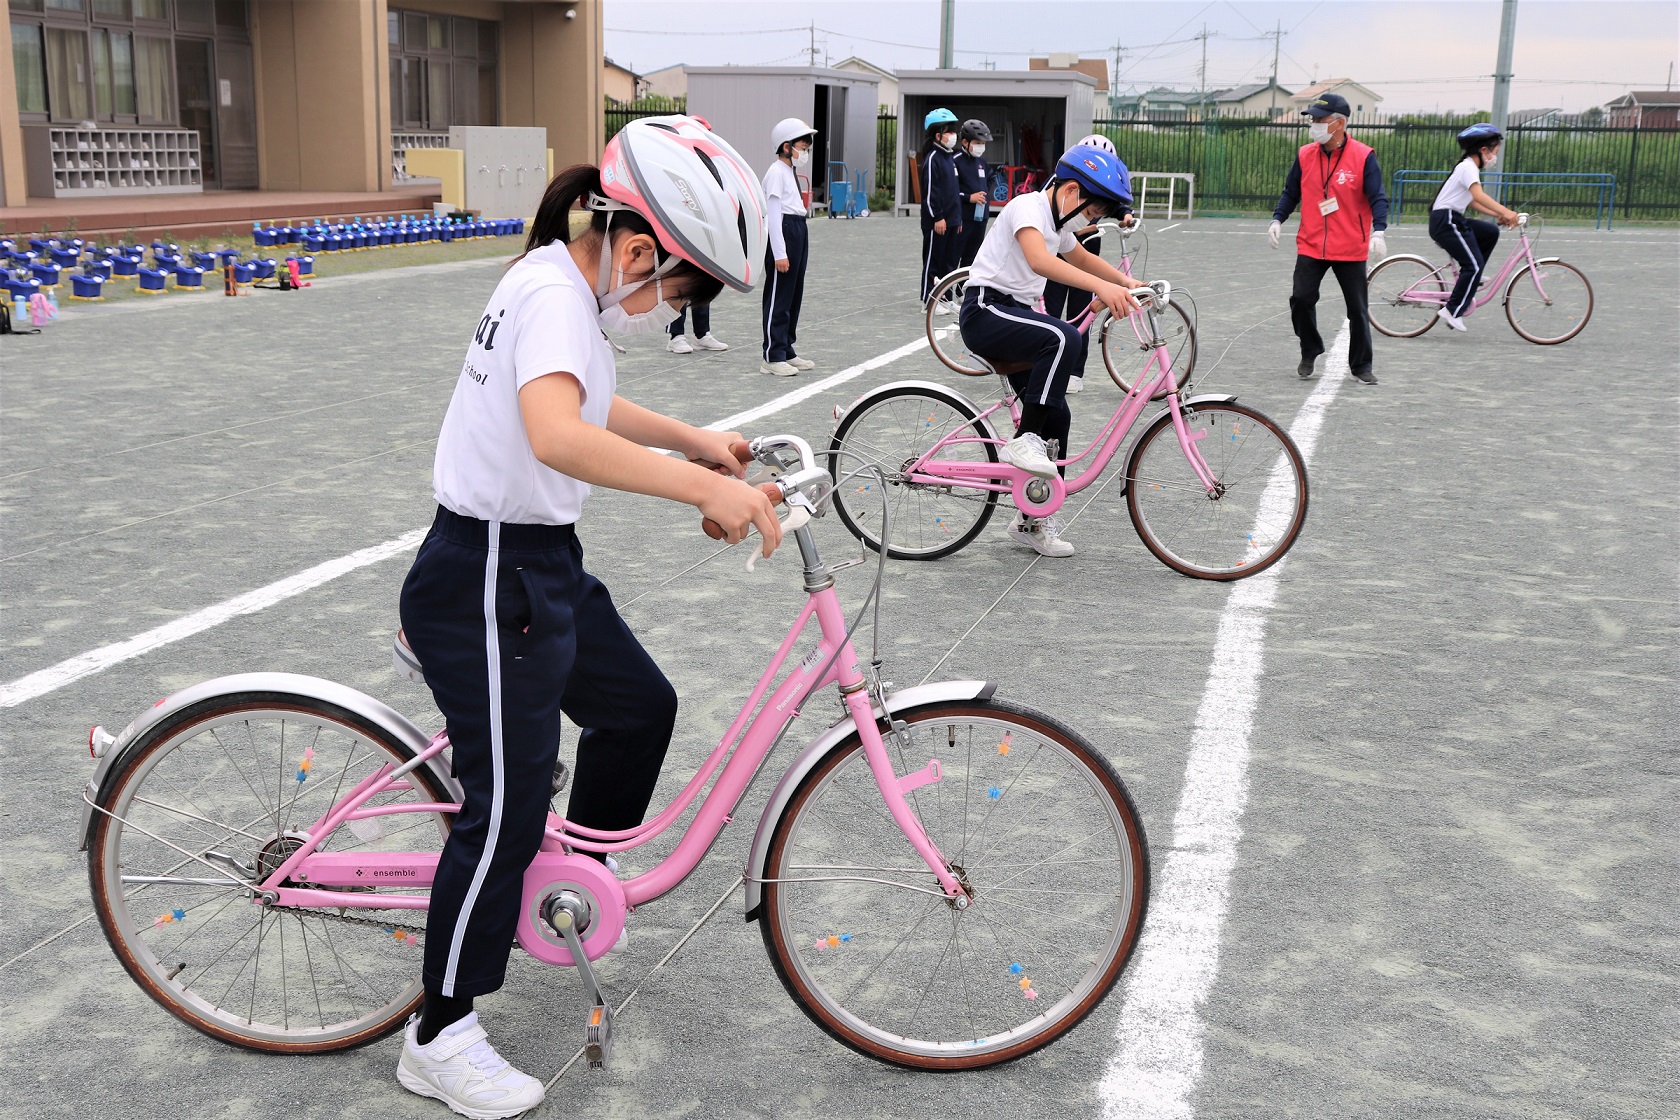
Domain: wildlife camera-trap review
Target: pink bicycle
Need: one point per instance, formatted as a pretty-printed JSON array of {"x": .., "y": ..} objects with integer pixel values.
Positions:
[
  {"x": 1546, "y": 301},
  {"x": 943, "y": 880},
  {"x": 1216, "y": 490}
]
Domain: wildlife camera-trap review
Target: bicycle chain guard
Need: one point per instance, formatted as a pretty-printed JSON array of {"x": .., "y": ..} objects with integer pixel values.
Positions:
[{"x": 588, "y": 878}]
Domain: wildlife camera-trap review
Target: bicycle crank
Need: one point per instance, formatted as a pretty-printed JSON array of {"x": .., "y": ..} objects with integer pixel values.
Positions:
[{"x": 565, "y": 912}]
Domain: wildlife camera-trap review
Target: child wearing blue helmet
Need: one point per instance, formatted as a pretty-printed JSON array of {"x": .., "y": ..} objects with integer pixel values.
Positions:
[
  {"x": 942, "y": 204},
  {"x": 1032, "y": 240},
  {"x": 1468, "y": 240}
]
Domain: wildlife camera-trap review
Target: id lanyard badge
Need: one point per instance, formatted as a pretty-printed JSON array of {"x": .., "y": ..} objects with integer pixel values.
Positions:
[{"x": 1329, "y": 206}]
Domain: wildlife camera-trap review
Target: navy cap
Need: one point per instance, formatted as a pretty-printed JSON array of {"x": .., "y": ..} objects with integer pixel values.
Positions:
[{"x": 1325, "y": 105}]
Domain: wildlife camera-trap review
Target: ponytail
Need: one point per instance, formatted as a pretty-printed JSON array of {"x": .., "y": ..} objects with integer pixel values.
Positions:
[{"x": 570, "y": 190}]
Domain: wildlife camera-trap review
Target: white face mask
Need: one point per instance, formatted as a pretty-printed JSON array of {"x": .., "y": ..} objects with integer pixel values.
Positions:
[
  {"x": 801, "y": 158},
  {"x": 614, "y": 318},
  {"x": 1489, "y": 161},
  {"x": 948, "y": 141},
  {"x": 977, "y": 150},
  {"x": 1319, "y": 132}
]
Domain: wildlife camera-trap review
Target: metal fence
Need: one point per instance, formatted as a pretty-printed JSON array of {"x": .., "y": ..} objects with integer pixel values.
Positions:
[
  {"x": 1240, "y": 164},
  {"x": 619, "y": 114}
]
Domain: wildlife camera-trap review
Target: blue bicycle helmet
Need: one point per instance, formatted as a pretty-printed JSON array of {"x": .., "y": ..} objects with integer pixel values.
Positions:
[
  {"x": 1100, "y": 173},
  {"x": 1479, "y": 136},
  {"x": 939, "y": 116}
]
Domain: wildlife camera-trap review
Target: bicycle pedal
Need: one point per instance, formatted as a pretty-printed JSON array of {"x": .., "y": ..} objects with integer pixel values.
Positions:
[
  {"x": 562, "y": 776},
  {"x": 597, "y": 1036}
]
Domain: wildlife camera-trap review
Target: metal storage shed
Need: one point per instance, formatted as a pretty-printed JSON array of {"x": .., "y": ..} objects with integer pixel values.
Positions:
[
  {"x": 744, "y": 102},
  {"x": 1033, "y": 115}
]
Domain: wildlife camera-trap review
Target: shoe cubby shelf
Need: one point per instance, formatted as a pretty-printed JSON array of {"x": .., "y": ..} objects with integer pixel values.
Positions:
[{"x": 105, "y": 162}]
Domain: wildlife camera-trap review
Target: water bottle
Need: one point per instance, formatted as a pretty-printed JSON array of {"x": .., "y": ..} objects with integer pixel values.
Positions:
[
  {"x": 20, "y": 310},
  {"x": 52, "y": 302}
]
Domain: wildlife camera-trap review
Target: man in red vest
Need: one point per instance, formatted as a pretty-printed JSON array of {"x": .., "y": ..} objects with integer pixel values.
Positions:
[{"x": 1338, "y": 184}]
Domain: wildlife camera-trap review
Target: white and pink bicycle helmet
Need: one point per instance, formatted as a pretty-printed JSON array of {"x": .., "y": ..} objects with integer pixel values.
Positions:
[{"x": 701, "y": 198}]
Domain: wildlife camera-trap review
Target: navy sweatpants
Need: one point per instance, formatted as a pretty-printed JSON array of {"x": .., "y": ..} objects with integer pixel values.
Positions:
[
  {"x": 702, "y": 321},
  {"x": 973, "y": 235},
  {"x": 940, "y": 253},
  {"x": 1468, "y": 241},
  {"x": 785, "y": 291},
  {"x": 511, "y": 632},
  {"x": 1001, "y": 329}
]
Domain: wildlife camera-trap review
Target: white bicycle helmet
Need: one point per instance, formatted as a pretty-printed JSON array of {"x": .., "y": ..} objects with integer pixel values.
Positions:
[
  {"x": 789, "y": 128},
  {"x": 1098, "y": 140},
  {"x": 701, "y": 198}
]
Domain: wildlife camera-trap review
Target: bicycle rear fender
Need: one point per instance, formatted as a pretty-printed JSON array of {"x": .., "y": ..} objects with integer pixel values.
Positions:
[
  {"x": 1424, "y": 261},
  {"x": 900, "y": 701},
  {"x": 358, "y": 703},
  {"x": 929, "y": 386}
]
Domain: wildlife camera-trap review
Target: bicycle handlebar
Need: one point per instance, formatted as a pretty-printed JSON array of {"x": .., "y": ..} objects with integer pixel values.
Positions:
[{"x": 801, "y": 482}]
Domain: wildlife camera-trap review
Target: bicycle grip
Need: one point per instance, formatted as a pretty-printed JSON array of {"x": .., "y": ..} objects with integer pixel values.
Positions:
[
  {"x": 740, "y": 448},
  {"x": 715, "y": 531}
]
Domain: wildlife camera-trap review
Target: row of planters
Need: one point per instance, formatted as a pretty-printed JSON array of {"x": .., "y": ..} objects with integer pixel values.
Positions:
[{"x": 409, "y": 229}]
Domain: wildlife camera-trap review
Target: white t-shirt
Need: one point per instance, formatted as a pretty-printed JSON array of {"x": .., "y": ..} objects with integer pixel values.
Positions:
[
  {"x": 541, "y": 319},
  {"x": 781, "y": 192},
  {"x": 1001, "y": 265},
  {"x": 1455, "y": 192}
]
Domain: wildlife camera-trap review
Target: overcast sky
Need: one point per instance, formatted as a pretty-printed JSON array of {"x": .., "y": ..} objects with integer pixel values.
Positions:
[{"x": 1420, "y": 55}]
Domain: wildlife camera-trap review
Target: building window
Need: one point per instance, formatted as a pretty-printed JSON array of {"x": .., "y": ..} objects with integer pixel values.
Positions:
[
  {"x": 29, "y": 61},
  {"x": 154, "y": 80},
  {"x": 67, "y": 74},
  {"x": 443, "y": 70},
  {"x": 113, "y": 73}
]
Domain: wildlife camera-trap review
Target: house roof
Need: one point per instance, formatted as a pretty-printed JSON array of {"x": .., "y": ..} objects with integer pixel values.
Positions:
[
  {"x": 619, "y": 66},
  {"x": 1240, "y": 93},
  {"x": 1329, "y": 85},
  {"x": 666, "y": 69},
  {"x": 862, "y": 64},
  {"x": 1648, "y": 97}
]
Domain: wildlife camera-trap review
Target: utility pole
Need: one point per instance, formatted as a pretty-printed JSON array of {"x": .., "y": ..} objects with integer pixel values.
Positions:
[
  {"x": 1277, "y": 44},
  {"x": 947, "y": 28},
  {"x": 1202, "y": 73},
  {"x": 1502, "y": 71},
  {"x": 1114, "y": 82},
  {"x": 813, "y": 42}
]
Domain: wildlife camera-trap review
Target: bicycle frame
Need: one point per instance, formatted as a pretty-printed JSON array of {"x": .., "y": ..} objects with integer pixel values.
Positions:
[
  {"x": 833, "y": 661},
  {"x": 1003, "y": 478},
  {"x": 1522, "y": 253}
]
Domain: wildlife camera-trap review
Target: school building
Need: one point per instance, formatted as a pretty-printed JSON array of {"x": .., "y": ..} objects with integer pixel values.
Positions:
[{"x": 112, "y": 105}]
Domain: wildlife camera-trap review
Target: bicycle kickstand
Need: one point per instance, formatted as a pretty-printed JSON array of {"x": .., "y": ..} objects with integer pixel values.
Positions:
[{"x": 597, "y": 1031}]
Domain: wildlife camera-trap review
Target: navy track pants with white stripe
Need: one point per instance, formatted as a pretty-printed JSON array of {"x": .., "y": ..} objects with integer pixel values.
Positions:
[
  {"x": 1470, "y": 242},
  {"x": 1001, "y": 329},
  {"x": 785, "y": 291},
  {"x": 511, "y": 633}
]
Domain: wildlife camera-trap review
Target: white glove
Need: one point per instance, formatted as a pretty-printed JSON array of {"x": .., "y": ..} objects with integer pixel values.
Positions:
[
  {"x": 1273, "y": 231},
  {"x": 1379, "y": 246}
]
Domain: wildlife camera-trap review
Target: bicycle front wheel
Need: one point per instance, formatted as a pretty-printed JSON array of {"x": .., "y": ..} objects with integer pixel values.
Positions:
[
  {"x": 943, "y": 306},
  {"x": 892, "y": 428},
  {"x": 219, "y": 795},
  {"x": 1247, "y": 522},
  {"x": 1393, "y": 303},
  {"x": 1035, "y": 822},
  {"x": 1121, "y": 340},
  {"x": 1549, "y": 303}
]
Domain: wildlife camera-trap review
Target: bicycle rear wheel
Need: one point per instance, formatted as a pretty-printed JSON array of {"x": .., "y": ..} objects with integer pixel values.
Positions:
[
  {"x": 1549, "y": 303},
  {"x": 1041, "y": 829},
  {"x": 1121, "y": 339},
  {"x": 1248, "y": 523},
  {"x": 1391, "y": 304},
  {"x": 942, "y": 332},
  {"x": 244, "y": 776},
  {"x": 892, "y": 428}
]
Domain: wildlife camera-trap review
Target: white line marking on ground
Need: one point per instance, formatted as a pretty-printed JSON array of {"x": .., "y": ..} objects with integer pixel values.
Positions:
[
  {"x": 1164, "y": 229},
  {"x": 86, "y": 664},
  {"x": 1159, "y": 1060},
  {"x": 804, "y": 393},
  {"x": 95, "y": 661}
]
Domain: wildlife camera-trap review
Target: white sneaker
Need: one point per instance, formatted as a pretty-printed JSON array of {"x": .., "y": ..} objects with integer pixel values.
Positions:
[
  {"x": 680, "y": 345},
  {"x": 778, "y": 369},
  {"x": 1075, "y": 385},
  {"x": 1044, "y": 534},
  {"x": 1451, "y": 320},
  {"x": 460, "y": 1068},
  {"x": 1028, "y": 452},
  {"x": 945, "y": 307},
  {"x": 802, "y": 363},
  {"x": 710, "y": 342}
]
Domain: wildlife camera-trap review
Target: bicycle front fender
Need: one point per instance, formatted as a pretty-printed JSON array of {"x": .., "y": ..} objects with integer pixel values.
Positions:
[
  {"x": 1207, "y": 398},
  {"x": 833, "y": 736},
  {"x": 358, "y": 703}
]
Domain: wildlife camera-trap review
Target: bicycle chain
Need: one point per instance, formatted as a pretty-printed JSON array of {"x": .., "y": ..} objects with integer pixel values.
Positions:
[{"x": 339, "y": 915}]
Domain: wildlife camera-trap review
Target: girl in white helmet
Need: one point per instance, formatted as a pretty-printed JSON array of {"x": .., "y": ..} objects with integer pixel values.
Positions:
[
  {"x": 784, "y": 267},
  {"x": 510, "y": 629}
]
